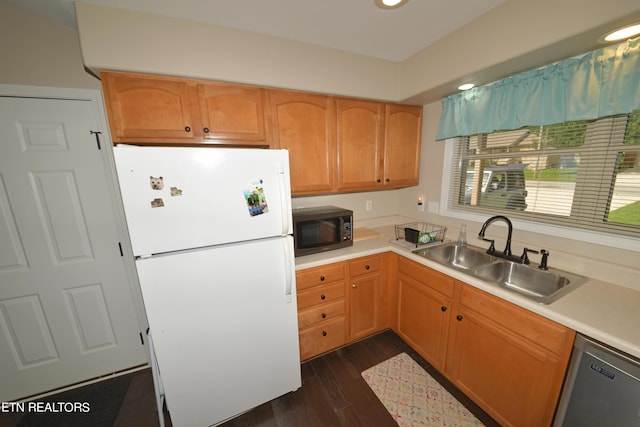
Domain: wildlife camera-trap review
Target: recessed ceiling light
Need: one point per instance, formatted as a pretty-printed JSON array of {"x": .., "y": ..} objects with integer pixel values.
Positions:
[
  {"x": 620, "y": 34},
  {"x": 466, "y": 86},
  {"x": 390, "y": 4}
]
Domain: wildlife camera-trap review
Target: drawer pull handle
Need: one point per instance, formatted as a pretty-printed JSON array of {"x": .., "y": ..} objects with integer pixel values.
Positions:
[
  {"x": 459, "y": 317},
  {"x": 322, "y": 278},
  {"x": 366, "y": 267},
  {"x": 322, "y": 297},
  {"x": 324, "y": 333},
  {"x": 443, "y": 308},
  {"x": 324, "y": 315}
]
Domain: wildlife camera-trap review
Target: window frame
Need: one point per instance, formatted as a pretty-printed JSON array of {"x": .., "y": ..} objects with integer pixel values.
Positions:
[{"x": 563, "y": 231}]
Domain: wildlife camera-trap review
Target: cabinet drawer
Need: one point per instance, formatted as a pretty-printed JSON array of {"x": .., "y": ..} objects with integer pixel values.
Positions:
[
  {"x": 434, "y": 279},
  {"x": 364, "y": 265},
  {"x": 320, "y": 294},
  {"x": 319, "y": 275},
  {"x": 320, "y": 313},
  {"x": 321, "y": 338},
  {"x": 537, "y": 329}
]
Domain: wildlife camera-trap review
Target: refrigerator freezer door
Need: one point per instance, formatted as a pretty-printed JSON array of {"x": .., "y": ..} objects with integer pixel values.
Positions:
[
  {"x": 224, "y": 325},
  {"x": 182, "y": 198}
]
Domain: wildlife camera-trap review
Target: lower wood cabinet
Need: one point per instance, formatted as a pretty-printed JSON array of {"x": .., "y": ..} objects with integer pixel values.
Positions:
[
  {"x": 342, "y": 302},
  {"x": 366, "y": 297},
  {"x": 508, "y": 360},
  {"x": 425, "y": 299},
  {"x": 321, "y": 309}
]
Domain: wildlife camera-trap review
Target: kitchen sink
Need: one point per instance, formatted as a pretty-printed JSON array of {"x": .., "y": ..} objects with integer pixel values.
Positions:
[
  {"x": 452, "y": 255},
  {"x": 544, "y": 286}
]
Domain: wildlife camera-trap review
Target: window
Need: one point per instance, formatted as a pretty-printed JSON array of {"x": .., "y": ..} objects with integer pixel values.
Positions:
[{"x": 580, "y": 174}]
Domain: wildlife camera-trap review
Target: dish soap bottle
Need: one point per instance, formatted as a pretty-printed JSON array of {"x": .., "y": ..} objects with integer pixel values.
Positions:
[{"x": 462, "y": 236}]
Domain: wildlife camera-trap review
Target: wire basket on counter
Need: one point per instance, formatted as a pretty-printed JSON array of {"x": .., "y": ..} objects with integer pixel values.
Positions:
[{"x": 415, "y": 234}]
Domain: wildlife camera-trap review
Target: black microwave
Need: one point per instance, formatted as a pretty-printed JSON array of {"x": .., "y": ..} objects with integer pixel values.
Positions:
[{"x": 322, "y": 228}]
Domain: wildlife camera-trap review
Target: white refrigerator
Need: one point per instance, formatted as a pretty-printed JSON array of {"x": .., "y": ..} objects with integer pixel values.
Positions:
[{"x": 211, "y": 232}]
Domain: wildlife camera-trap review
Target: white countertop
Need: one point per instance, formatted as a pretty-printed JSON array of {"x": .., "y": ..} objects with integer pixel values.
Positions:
[{"x": 603, "y": 311}]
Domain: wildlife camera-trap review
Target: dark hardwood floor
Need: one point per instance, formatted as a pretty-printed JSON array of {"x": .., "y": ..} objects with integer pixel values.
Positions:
[{"x": 333, "y": 393}]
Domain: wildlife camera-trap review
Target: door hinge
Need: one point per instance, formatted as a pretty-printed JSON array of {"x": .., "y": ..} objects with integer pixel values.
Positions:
[
  {"x": 96, "y": 133},
  {"x": 141, "y": 339},
  {"x": 120, "y": 247}
]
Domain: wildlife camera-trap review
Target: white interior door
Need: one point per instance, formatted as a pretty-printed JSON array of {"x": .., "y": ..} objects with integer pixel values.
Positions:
[{"x": 67, "y": 311}]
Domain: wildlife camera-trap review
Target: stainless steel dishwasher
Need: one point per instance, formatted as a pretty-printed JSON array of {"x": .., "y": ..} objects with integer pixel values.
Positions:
[{"x": 602, "y": 388}]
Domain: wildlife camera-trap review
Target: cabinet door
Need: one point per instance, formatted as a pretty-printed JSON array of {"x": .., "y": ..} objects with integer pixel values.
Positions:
[
  {"x": 403, "y": 135},
  {"x": 149, "y": 109},
  {"x": 232, "y": 113},
  {"x": 304, "y": 124},
  {"x": 365, "y": 305},
  {"x": 506, "y": 375},
  {"x": 423, "y": 319},
  {"x": 360, "y": 144}
]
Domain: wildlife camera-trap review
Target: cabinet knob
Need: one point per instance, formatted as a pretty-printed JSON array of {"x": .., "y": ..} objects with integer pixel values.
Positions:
[
  {"x": 205, "y": 130},
  {"x": 187, "y": 129},
  {"x": 366, "y": 267},
  {"x": 324, "y": 333},
  {"x": 387, "y": 180},
  {"x": 354, "y": 286},
  {"x": 322, "y": 297},
  {"x": 322, "y": 278},
  {"x": 459, "y": 317},
  {"x": 324, "y": 315},
  {"x": 378, "y": 180},
  {"x": 443, "y": 308}
]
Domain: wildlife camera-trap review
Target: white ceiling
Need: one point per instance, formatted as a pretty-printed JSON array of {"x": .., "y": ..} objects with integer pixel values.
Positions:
[{"x": 356, "y": 26}]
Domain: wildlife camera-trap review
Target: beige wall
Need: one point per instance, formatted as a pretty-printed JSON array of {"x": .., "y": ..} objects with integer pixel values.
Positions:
[
  {"x": 515, "y": 36},
  {"x": 36, "y": 51},
  {"x": 116, "y": 39}
]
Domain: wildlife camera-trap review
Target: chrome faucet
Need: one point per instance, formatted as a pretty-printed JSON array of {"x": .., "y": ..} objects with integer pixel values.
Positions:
[{"x": 492, "y": 249}]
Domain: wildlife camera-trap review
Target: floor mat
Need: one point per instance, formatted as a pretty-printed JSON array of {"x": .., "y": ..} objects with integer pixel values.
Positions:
[{"x": 413, "y": 397}]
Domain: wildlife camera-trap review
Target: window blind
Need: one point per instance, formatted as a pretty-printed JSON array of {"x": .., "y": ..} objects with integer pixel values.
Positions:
[{"x": 582, "y": 174}]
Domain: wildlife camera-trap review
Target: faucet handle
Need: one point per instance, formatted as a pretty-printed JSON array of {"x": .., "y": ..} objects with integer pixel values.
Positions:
[
  {"x": 524, "y": 258},
  {"x": 492, "y": 247},
  {"x": 544, "y": 259}
]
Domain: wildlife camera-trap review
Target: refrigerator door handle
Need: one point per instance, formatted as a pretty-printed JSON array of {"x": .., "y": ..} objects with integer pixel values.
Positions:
[
  {"x": 289, "y": 268},
  {"x": 285, "y": 200}
]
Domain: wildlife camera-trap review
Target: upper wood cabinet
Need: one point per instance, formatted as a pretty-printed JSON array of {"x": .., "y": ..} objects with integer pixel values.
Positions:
[
  {"x": 146, "y": 109},
  {"x": 231, "y": 112},
  {"x": 335, "y": 144},
  {"x": 304, "y": 124},
  {"x": 360, "y": 142},
  {"x": 152, "y": 109},
  {"x": 403, "y": 136},
  {"x": 378, "y": 145}
]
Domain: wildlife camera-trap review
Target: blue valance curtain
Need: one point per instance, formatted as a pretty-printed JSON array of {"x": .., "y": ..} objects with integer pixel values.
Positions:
[{"x": 599, "y": 84}]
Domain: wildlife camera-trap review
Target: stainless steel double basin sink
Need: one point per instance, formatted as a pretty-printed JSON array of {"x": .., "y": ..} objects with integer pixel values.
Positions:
[{"x": 543, "y": 286}]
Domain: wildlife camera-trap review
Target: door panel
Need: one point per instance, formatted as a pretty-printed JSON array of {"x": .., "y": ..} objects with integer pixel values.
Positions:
[{"x": 66, "y": 306}]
